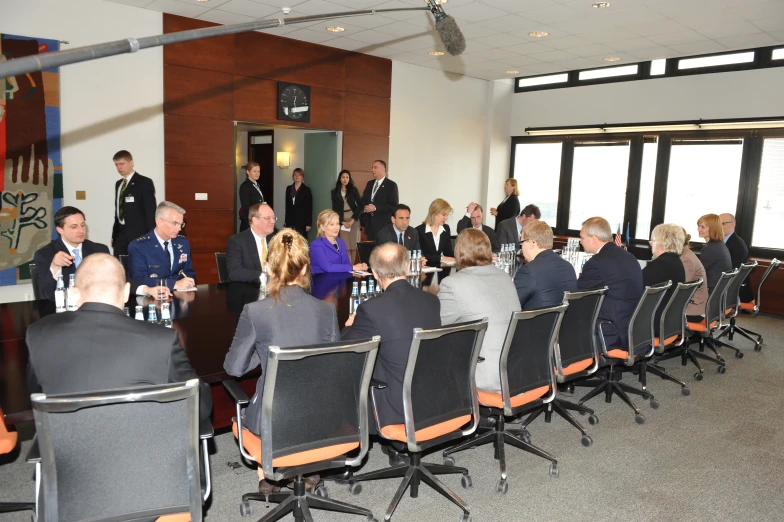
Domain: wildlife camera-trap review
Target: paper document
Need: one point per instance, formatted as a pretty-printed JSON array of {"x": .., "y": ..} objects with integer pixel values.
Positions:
[
  {"x": 449, "y": 263},
  {"x": 344, "y": 229},
  {"x": 191, "y": 289},
  {"x": 361, "y": 273},
  {"x": 431, "y": 269}
]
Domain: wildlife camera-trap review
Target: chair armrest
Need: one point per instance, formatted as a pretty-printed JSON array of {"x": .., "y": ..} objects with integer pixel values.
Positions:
[
  {"x": 34, "y": 454},
  {"x": 378, "y": 384},
  {"x": 480, "y": 359},
  {"x": 604, "y": 321},
  {"x": 237, "y": 394},
  {"x": 206, "y": 430}
]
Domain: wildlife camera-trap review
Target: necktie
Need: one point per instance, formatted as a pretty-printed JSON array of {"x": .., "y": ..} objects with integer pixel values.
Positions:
[
  {"x": 77, "y": 257},
  {"x": 168, "y": 254},
  {"x": 263, "y": 256},
  {"x": 373, "y": 195},
  {"x": 120, "y": 212},
  {"x": 400, "y": 238}
]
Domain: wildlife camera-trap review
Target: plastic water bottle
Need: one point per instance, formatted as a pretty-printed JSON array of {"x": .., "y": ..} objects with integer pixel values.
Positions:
[
  {"x": 354, "y": 302},
  {"x": 127, "y": 313},
  {"x": 139, "y": 313},
  {"x": 59, "y": 295},
  {"x": 165, "y": 315},
  {"x": 411, "y": 262},
  {"x": 371, "y": 288},
  {"x": 363, "y": 295},
  {"x": 70, "y": 297},
  {"x": 152, "y": 314}
]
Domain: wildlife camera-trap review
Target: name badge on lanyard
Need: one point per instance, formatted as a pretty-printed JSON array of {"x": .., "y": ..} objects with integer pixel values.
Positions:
[{"x": 129, "y": 199}]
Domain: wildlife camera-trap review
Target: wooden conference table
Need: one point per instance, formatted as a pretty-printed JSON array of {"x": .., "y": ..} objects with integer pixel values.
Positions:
[{"x": 206, "y": 321}]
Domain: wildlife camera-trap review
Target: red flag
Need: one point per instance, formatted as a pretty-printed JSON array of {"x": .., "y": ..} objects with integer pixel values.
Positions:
[{"x": 618, "y": 240}]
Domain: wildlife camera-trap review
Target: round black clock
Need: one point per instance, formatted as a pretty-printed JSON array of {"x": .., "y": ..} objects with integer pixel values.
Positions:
[{"x": 293, "y": 102}]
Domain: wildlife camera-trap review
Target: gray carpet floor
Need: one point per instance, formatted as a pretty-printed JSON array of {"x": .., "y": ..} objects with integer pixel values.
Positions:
[{"x": 717, "y": 454}]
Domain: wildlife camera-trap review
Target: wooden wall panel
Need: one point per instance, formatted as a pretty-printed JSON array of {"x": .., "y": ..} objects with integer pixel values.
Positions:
[
  {"x": 366, "y": 114},
  {"x": 212, "y": 54},
  {"x": 196, "y": 92},
  {"x": 361, "y": 177},
  {"x": 209, "y": 229},
  {"x": 366, "y": 74},
  {"x": 205, "y": 267},
  {"x": 360, "y": 150},
  {"x": 183, "y": 181},
  {"x": 192, "y": 140}
]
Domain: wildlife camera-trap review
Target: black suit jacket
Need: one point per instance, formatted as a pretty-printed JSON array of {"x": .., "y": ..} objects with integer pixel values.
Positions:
[
  {"x": 715, "y": 257},
  {"x": 43, "y": 260},
  {"x": 507, "y": 209},
  {"x": 388, "y": 234},
  {"x": 619, "y": 270},
  {"x": 543, "y": 281},
  {"x": 506, "y": 233},
  {"x": 353, "y": 199},
  {"x": 249, "y": 196},
  {"x": 393, "y": 315},
  {"x": 429, "y": 250},
  {"x": 465, "y": 222},
  {"x": 739, "y": 254},
  {"x": 299, "y": 213},
  {"x": 666, "y": 267},
  {"x": 139, "y": 216},
  {"x": 242, "y": 256},
  {"x": 385, "y": 201},
  {"x": 98, "y": 348}
]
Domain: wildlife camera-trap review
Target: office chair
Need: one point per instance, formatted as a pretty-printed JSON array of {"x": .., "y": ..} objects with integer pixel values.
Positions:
[
  {"x": 575, "y": 356},
  {"x": 753, "y": 308},
  {"x": 8, "y": 438},
  {"x": 439, "y": 403},
  {"x": 733, "y": 308},
  {"x": 125, "y": 261},
  {"x": 223, "y": 267},
  {"x": 34, "y": 280},
  {"x": 527, "y": 381},
  {"x": 672, "y": 340},
  {"x": 714, "y": 313},
  {"x": 640, "y": 346},
  {"x": 121, "y": 454},
  {"x": 364, "y": 248},
  {"x": 314, "y": 411}
]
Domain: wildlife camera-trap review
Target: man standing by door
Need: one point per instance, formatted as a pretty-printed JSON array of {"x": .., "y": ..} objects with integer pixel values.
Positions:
[{"x": 134, "y": 204}]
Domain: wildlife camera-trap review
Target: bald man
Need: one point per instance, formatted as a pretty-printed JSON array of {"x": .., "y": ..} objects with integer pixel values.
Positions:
[{"x": 97, "y": 347}]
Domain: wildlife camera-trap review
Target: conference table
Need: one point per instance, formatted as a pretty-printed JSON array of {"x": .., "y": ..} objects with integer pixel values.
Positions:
[{"x": 205, "y": 319}]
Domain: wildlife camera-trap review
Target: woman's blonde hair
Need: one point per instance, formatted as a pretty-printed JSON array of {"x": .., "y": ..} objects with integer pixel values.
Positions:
[
  {"x": 288, "y": 254},
  {"x": 713, "y": 222},
  {"x": 473, "y": 248},
  {"x": 322, "y": 220},
  {"x": 670, "y": 238},
  {"x": 438, "y": 206},
  {"x": 515, "y": 188}
]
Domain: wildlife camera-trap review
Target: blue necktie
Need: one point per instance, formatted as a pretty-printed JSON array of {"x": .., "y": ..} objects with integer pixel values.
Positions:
[{"x": 77, "y": 257}]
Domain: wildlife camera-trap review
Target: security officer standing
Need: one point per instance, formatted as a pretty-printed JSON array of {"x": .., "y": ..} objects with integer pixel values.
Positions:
[
  {"x": 163, "y": 253},
  {"x": 134, "y": 204}
]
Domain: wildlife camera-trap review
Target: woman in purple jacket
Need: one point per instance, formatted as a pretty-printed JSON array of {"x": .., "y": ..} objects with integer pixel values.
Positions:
[{"x": 328, "y": 252}]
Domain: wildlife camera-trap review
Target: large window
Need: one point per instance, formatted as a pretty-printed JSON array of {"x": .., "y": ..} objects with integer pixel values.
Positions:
[
  {"x": 537, "y": 168},
  {"x": 769, "y": 214},
  {"x": 650, "y": 149},
  {"x": 599, "y": 174},
  {"x": 703, "y": 179}
]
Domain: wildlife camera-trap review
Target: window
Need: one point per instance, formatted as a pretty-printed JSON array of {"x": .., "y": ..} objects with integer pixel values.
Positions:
[
  {"x": 599, "y": 174},
  {"x": 715, "y": 61},
  {"x": 537, "y": 167},
  {"x": 769, "y": 214},
  {"x": 650, "y": 149},
  {"x": 703, "y": 179},
  {"x": 543, "y": 80},
  {"x": 609, "y": 72},
  {"x": 658, "y": 67}
]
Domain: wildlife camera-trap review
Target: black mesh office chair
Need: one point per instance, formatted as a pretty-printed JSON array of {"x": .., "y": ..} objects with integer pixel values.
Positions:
[
  {"x": 527, "y": 381},
  {"x": 732, "y": 307},
  {"x": 753, "y": 307},
  {"x": 364, "y": 248},
  {"x": 8, "y": 438},
  {"x": 612, "y": 359},
  {"x": 314, "y": 411},
  {"x": 439, "y": 403},
  {"x": 121, "y": 454},
  {"x": 34, "y": 280},
  {"x": 575, "y": 356},
  {"x": 714, "y": 313},
  {"x": 223, "y": 267}
]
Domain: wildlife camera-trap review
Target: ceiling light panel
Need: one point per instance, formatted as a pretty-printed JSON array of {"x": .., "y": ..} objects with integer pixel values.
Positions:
[
  {"x": 715, "y": 61},
  {"x": 543, "y": 80},
  {"x": 595, "y": 74}
]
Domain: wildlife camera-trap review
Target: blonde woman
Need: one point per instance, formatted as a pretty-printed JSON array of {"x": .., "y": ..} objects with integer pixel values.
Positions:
[
  {"x": 715, "y": 256},
  {"x": 328, "y": 252},
  {"x": 434, "y": 235},
  {"x": 510, "y": 206}
]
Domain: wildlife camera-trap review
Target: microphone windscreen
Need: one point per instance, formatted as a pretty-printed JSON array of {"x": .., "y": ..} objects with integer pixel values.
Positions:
[{"x": 450, "y": 34}]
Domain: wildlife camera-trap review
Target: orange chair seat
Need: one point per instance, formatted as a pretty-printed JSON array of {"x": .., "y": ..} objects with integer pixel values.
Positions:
[
  {"x": 7, "y": 440},
  {"x": 252, "y": 445},
  {"x": 496, "y": 400},
  {"x": 728, "y": 311},
  {"x": 179, "y": 517},
  {"x": 398, "y": 431},
  {"x": 667, "y": 341},
  {"x": 578, "y": 366},
  {"x": 618, "y": 353},
  {"x": 748, "y": 306},
  {"x": 700, "y": 327}
]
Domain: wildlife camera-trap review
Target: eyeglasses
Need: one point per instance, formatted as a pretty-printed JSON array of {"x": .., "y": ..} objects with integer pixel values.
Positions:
[
  {"x": 726, "y": 222},
  {"x": 269, "y": 218},
  {"x": 174, "y": 223}
]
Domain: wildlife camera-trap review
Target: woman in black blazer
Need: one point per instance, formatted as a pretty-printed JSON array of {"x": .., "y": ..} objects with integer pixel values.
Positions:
[
  {"x": 347, "y": 203},
  {"x": 299, "y": 204},
  {"x": 715, "y": 256},
  {"x": 250, "y": 192},
  {"x": 434, "y": 229},
  {"x": 666, "y": 265},
  {"x": 510, "y": 206}
]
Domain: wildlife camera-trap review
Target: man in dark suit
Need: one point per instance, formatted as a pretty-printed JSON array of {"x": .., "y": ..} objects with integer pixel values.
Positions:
[
  {"x": 246, "y": 252},
  {"x": 473, "y": 219},
  {"x": 398, "y": 231},
  {"x": 393, "y": 315},
  {"x": 509, "y": 230},
  {"x": 98, "y": 348},
  {"x": 64, "y": 255},
  {"x": 545, "y": 277},
  {"x": 619, "y": 271},
  {"x": 380, "y": 198},
  {"x": 739, "y": 253},
  {"x": 134, "y": 204}
]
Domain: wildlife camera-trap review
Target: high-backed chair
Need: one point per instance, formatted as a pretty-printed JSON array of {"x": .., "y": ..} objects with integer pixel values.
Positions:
[
  {"x": 223, "y": 267},
  {"x": 640, "y": 346},
  {"x": 439, "y": 404},
  {"x": 732, "y": 306},
  {"x": 527, "y": 381},
  {"x": 575, "y": 356},
  {"x": 714, "y": 313},
  {"x": 672, "y": 340},
  {"x": 34, "y": 280},
  {"x": 125, "y": 261},
  {"x": 8, "y": 438},
  {"x": 314, "y": 411},
  {"x": 121, "y": 454},
  {"x": 364, "y": 248},
  {"x": 753, "y": 307}
]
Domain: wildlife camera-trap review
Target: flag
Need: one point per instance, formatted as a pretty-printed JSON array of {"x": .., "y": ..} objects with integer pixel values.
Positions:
[
  {"x": 628, "y": 240},
  {"x": 618, "y": 236}
]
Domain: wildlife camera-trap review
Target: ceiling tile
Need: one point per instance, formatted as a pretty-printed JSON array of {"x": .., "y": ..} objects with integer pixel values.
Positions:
[
  {"x": 274, "y": 3},
  {"x": 428, "y": 42},
  {"x": 510, "y": 23},
  {"x": 704, "y": 47},
  {"x": 222, "y": 17},
  {"x": 654, "y": 53},
  {"x": 529, "y": 48},
  {"x": 574, "y": 63},
  {"x": 567, "y": 42},
  {"x": 371, "y": 37},
  {"x": 777, "y": 35},
  {"x": 712, "y": 28},
  {"x": 177, "y": 8},
  {"x": 400, "y": 29},
  {"x": 592, "y": 50},
  {"x": 543, "y": 68},
  {"x": 475, "y": 12},
  {"x": 351, "y": 4},
  {"x": 677, "y": 38},
  {"x": 347, "y": 43},
  {"x": 476, "y": 30},
  {"x": 553, "y": 56},
  {"x": 495, "y": 54},
  {"x": 771, "y": 9},
  {"x": 553, "y": 14},
  {"x": 280, "y": 31},
  {"x": 370, "y": 21},
  {"x": 552, "y": 32},
  {"x": 632, "y": 15},
  {"x": 252, "y": 9},
  {"x": 609, "y": 34},
  {"x": 474, "y": 47},
  {"x": 584, "y": 25},
  {"x": 680, "y": 8},
  {"x": 500, "y": 40},
  {"x": 518, "y": 6},
  {"x": 397, "y": 15},
  {"x": 306, "y": 35},
  {"x": 349, "y": 29},
  {"x": 748, "y": 41},
  {"x": 625, "y": 59},
  {"x": 657, "y": 27},
  {"x": 632, "y": 44},
  {"x": 134, "y": 3},
  {"x": 770, "y": 24}
]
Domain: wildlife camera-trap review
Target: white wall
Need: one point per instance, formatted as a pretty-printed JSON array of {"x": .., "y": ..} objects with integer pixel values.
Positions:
[
  {"x": 106, "y": 105},
  {"x": 498, "y": 144}
]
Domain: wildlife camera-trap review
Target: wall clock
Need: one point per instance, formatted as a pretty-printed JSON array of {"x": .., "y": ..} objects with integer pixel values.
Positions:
[{"x": 293, "y": 102}]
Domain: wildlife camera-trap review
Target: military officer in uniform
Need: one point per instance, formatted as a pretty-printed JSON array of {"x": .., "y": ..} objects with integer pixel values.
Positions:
[{"x": 163, "y": 254}]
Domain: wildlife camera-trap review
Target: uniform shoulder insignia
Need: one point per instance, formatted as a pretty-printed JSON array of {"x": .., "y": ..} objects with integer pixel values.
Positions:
[{"x": 142, "y": 238}]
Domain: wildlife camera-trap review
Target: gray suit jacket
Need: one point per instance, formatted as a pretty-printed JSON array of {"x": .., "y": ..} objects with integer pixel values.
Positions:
[
  {"x": 507, "y": 233},
  {"x": 297, "y": 319},
  {"x": 474, "y": 293}
]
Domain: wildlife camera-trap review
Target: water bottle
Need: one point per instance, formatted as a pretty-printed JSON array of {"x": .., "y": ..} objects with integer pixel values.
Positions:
[
  {"x": 371, "y": 288},
  {"x": 139, "y": 313},
  {"x": 411, "y": 262},
  {"x": 165, "y": 315},
  {"x": 354, "y": 302},
  {"x": 70, "y": 297},
  {"x": 127, "y": 313},
  {"x": 363, "y": 295},
  {"x": 152, "y": 314},
  {"x": 419, "y": 261},
  {"x": 59, "y": 295}
]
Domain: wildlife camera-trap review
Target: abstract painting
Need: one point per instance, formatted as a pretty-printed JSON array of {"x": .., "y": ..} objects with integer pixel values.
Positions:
[{"x": 31, "y": 188}]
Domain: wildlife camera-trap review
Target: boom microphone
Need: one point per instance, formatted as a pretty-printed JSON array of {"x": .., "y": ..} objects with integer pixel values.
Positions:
[{"x": 448, "y": 31}]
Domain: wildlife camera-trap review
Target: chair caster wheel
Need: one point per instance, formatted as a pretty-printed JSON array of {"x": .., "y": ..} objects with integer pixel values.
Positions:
[
  {"x": 721, "y": 360},
  {"x": 355, "y": 488},
  {"x": 685, "y": 391},
  {"x": 502, "y": 486},
  {"x": 654, "y": 404},
  {"x": 466, "y": 481},
  {"x": 722, "y": 369},
  {"x": 587, "y": 441},
  {"x": 639, "y": 418},
  {"x": 582, "y": 413},
  {"x": 758, "y": 347},
  {"x": 465, "y": 518},
  {"x": 739, "y": 355},
  {"x": 449, "y": 461},
  {"x": 322, "y": 491},
  {"x": 698, "y": 376},
  {"x": 245, "y": 509},
  {"x": 525, "y": 436},
  {"x": 554, "y": 470},
  {"x": 593, "y": 420}
]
